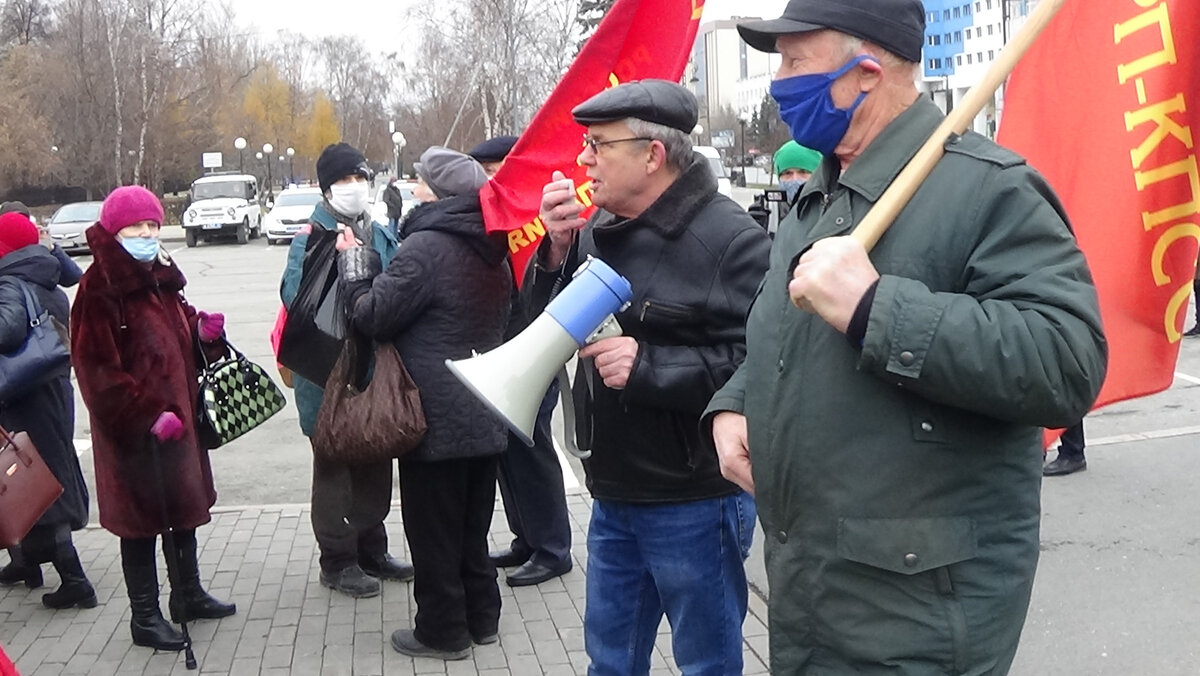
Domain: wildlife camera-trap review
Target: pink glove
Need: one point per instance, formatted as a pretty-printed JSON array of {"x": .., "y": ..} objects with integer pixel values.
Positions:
[
  {"x": 211, "y": 326},
  {"x": 168, "y": 427}
]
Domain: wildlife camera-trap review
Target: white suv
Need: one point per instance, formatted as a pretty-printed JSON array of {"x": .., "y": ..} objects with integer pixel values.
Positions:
[{"x": 223, "y": 204}]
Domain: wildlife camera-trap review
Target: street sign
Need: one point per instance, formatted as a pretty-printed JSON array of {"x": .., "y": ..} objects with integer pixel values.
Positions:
[{"x": 211, "y": 160}]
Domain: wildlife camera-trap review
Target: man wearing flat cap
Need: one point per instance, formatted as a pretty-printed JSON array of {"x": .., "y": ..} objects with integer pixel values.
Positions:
[
  {"x": 668, "y": 533},
  {"x": 492, "y": 153},
  {"x": 888, "y": 414}
]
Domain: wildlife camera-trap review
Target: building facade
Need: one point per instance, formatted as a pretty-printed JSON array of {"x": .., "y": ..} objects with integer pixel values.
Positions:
[{"x": 962, "y": 40}]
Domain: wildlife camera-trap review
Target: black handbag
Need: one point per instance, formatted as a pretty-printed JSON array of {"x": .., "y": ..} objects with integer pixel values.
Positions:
[
  {"x": 45, "y": 354},
  {"x": 236, "y": 395}
]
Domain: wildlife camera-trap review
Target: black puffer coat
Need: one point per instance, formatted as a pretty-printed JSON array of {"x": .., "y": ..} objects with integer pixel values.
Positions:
[
  {"x": 444, "y": 294},
  {"x": 48, "y": 412}
]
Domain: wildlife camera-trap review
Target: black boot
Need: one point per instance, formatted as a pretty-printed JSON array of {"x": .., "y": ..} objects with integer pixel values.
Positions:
[
  {"x": 18, "y": 571},
  {"x": 148, "y": 626},
  {"x": 75, "y": 589},
  {"x": 188, "y": 600}
]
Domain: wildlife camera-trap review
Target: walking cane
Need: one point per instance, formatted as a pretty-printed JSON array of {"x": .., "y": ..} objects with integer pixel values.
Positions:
[{"x": 189, "y": 657}]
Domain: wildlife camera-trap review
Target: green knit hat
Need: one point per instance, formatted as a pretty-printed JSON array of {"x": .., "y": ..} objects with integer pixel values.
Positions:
[{"x": 792, "y": 155}]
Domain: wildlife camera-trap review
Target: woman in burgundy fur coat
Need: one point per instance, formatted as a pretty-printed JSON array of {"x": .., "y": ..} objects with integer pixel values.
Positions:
[{"x": 133, "y": 340}]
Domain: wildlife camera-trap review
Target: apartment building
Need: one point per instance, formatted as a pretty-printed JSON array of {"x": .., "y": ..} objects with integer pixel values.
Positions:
[{"x": 962, "y": 40}]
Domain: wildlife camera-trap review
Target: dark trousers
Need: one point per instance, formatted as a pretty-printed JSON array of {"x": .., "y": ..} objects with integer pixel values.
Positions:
[
  {"x": 45, "y": 544},
  {"x": 535, "y": 501},
  {"x": 447, "y": 507},
  {"x": 1072, "y": 442},
  {"x": 1196, "y": 300},
  {"x": 349, "y": 504}
]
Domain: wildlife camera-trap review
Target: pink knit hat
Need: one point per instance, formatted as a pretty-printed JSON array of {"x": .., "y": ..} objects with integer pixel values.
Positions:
[{"x": 128, "y": 205}]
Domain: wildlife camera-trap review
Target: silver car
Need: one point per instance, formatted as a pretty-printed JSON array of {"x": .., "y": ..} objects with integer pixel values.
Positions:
[{"x": 67, "y": 224}]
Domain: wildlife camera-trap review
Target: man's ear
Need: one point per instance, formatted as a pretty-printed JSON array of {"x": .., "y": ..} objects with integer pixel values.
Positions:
[
  {"x": 657, "y": 158},
  {"x": 870, "y": 73}
]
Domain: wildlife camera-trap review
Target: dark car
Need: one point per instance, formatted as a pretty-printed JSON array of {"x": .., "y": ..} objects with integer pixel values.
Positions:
[{"x": 67, "y": 224}]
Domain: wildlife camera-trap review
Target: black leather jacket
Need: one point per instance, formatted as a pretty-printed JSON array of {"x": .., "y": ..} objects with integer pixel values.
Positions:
[{"x": 694, "y": 259}]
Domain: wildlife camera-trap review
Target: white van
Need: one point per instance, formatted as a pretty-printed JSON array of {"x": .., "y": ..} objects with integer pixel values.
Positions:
[
  {"x": 724, "y": 185},
  {"x": 223, "y": 204}
]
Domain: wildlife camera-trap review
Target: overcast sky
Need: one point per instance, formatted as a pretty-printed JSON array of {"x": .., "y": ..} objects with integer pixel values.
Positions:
[{"x": 383, "y": 24}]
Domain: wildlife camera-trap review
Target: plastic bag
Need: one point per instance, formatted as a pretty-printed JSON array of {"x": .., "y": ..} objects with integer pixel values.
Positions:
[{"x": 316, "y": 321}]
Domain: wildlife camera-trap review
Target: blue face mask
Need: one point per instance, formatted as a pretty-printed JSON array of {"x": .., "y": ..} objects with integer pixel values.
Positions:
[
  {"x": 792, "y": 188},
  {"x": 806, "y": 106},
  {"x": 143, "y": 249}
]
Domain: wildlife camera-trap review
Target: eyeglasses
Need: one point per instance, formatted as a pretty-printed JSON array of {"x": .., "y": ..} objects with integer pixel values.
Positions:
[{"x": 595, "y": 145}]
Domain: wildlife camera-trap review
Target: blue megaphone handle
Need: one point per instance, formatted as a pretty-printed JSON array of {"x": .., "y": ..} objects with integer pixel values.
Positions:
[{"x": 595, "y": 292}]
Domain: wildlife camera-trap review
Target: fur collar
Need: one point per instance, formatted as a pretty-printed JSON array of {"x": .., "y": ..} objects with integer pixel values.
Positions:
[
  {"x": 115, "y": 272},
  {"x": 675, "y": 209}
]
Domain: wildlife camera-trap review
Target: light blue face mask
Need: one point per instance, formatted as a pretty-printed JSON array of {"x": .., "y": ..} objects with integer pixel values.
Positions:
[
  {"x": 792, "y": 188},
  {"x": 143, "y": 249}
]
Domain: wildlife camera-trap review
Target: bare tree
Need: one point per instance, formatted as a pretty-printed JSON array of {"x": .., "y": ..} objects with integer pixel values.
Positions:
[
  {"x": 101, "y": 92},
  {"x": 510, "y": 53},
  {"x": 359, "y": 86},
  {"x": 23, "y": 21},
  {"x": 589, "y": 16}
]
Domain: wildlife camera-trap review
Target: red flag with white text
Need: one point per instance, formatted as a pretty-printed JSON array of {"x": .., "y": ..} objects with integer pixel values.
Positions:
[
  {"x": 1107, "y": 105},
  {"x": 636, "y": 40}
]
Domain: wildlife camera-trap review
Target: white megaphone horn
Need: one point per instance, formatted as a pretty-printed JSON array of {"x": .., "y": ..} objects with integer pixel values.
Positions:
[{"x": 510, "y": 382}]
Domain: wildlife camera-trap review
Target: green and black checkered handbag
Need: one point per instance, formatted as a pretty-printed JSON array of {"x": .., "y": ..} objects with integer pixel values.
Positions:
[{"x": 236, "y": 395}]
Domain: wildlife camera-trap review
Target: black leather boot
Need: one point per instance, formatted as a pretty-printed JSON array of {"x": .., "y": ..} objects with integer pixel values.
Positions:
[
  {"x": 75, "y": 589},
  {"x": 148, "y": 626},
  {"x": 18, "y": 571},
  {"x": 188, "y": 600}
]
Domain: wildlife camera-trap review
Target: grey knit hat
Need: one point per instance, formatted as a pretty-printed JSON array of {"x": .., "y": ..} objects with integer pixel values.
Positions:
[
  {"x": 449, "y": 173},
  {"x": 14, "y": 206}
]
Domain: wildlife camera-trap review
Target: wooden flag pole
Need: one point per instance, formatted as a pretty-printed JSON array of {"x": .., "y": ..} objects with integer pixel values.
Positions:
[{"x": 880, "y": 217}]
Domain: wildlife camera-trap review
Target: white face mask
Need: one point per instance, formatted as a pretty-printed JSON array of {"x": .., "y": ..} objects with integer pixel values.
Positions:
[{"x": 351, "y": 199}]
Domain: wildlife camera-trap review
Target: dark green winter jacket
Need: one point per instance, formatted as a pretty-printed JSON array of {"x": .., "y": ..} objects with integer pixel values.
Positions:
[{"x": 898, "y": 482}]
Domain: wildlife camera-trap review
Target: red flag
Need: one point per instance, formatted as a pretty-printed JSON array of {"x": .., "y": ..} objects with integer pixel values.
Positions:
[
  {"x": 1107, "y": 105},
  {"x": 638, "y": 39}
]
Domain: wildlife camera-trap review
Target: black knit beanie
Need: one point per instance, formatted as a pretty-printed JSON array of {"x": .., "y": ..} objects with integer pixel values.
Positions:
[{"x": 338, "y": 161}]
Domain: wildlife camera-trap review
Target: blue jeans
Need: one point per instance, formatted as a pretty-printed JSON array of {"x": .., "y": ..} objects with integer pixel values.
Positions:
[{"x": 683, "y": 559}]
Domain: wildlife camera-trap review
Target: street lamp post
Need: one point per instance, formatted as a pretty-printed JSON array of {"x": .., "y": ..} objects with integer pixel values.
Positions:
[
  {"x": 291, "y": 152},
  {"x": 267, "y": 148},
  {"x": 742, "y": 159},
  {"x": 240, "y": 144},
  {"x": 398, "y": 142}
]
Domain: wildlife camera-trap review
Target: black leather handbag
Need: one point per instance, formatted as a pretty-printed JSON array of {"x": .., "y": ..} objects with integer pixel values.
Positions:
[
  {"x": 236, "y": 395},
  {"x": 45, "y": 354}
]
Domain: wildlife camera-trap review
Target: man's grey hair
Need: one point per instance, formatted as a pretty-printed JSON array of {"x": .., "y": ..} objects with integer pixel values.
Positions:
[
  {"x": 853, "y": 45},
  {"x": 677, "y": 143}
]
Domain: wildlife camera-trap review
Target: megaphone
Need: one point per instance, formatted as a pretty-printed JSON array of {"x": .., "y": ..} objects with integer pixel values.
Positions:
[{"x": 512, "y": 379}]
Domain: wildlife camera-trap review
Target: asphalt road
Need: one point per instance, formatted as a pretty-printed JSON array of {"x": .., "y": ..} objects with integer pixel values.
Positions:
[{"x": 1118, "y": 588}]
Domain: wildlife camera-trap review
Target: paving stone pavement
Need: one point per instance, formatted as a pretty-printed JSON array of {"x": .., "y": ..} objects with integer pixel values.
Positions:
[{"x": 264, "y": 559}]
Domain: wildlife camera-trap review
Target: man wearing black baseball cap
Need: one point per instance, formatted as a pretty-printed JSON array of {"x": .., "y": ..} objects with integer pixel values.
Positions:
[
  {"x": 668, "y": 533},
  {"x": 888, "y": 412}
]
